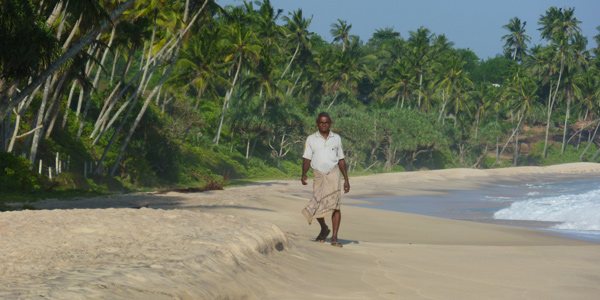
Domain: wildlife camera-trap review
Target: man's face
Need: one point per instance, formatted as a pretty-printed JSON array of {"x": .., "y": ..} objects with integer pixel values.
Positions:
[{"x": 323, "y": 123}]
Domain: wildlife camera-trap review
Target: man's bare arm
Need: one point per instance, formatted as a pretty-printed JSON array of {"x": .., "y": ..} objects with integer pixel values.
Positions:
[
  {"x": 342, "y": 165},
  {"x": 305, "y": 167}
]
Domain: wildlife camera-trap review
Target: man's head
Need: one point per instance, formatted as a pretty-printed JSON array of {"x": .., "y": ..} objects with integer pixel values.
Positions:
[{"x": 323, "y": 122}]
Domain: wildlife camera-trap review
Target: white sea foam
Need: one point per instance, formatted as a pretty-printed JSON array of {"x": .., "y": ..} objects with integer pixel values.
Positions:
[{"x": 574, "y": 211}]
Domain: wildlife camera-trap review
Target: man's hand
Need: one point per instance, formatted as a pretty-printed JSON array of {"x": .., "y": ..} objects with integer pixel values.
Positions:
[
  {"x": 304, "y": 178},
  {"x": 346, "y": 186}
]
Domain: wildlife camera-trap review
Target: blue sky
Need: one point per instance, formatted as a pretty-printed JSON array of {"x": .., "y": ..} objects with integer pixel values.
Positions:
[{"x": 472, "y": 24}]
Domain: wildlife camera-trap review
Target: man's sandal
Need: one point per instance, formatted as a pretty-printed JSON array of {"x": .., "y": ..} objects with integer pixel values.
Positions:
[
  {"x": 337, "y": 244},
  {"x": 321, "y": 238}
]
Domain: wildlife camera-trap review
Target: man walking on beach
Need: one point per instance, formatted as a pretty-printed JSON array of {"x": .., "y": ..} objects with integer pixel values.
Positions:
[{"x": 323, "y": 152}]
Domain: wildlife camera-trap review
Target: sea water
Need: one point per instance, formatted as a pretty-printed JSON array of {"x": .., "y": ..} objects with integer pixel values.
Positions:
[{"x": 564, "y": 205}]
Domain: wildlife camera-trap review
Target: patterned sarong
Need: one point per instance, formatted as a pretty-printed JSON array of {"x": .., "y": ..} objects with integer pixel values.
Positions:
[{"x": 326, "y": 195}]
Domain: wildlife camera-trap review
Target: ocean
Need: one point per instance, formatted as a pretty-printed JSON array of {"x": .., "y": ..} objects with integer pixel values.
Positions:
[{"x": 567, "y": 206}]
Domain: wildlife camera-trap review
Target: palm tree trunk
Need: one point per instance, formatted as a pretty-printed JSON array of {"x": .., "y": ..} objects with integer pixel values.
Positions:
[
  {"x": 420, "y": 89},
  {"x": 260, "y": 97},
  {"x": 67, "y": 108},
  {"x": 550, "y": 106},
  {"x": 290, "y": 63},
  {"x": 590, "y": 142},
  {"x": 226, "y": 102},
  {"x": 39, "y": 118},
  {"x": 516, "y": 151},
  {"x": 53, "y": 112},
  {"x": 89, "y": 96},
  {"x": 55, "y": 14},
  {"x": 333, "y": 101},
  {"x": 74, "y": 30},
  {"x": 295, "y": 82},
  {"x": 114, "y": 66},
  {"x": 582, "y": 126},
  {"x": 506, "y": 144},
  {"x": 106, "y": 109},
  {"x": 566, "y": 121},
  {"x": 443, "y": 108},
  {"x": 16, "y": 129}
]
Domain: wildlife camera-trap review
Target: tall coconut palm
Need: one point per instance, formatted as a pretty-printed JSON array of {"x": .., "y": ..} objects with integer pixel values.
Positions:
[
  {"x": 298, "y": 31},
  {"x": 559, "y": 27},
  {"x": 398, "y": 82},
  {"x": 419, "y": 54},
  {"x": 242, "y": 47},
  {"x": 541, "y": 62},
  {"x": 520, "y": 94},
  {"x": 516, "y": 41},
  {"x": 455, "y": 86},
  {"x": 523, "y": 92},
  {"x": 348, "y": 69},
  {"x": 341, "y": 32},
  {"x": 198, "y": 65}
]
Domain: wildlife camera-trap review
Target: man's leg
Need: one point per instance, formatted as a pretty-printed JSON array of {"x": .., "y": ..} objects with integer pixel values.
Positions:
[
  {"x": 336, "y": 218},
  {"x": 324, "y": 230}
]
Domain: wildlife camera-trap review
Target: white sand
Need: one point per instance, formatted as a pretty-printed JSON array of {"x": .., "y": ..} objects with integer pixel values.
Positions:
[{"x": 252, "y": 242}]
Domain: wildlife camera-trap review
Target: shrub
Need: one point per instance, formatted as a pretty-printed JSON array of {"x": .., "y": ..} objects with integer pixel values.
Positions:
[{"x": 16, "y": 174}]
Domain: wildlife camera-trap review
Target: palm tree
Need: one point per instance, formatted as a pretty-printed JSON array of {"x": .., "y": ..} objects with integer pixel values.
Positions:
[
  {"x": 419, "y": 54},
  {"x": 347, "y": 69},
  {"x": 516, "y": 40},
  {"x": 341, "y": 32},
  {"x": 455, "y": 86},
  {"x": 541, "y": 62},
  {"x": 521, "y": 93},
  {"x": 241, "y": 46},
  {"x": 298, "y": 31},
  {"x": 398, "y": 82},
  {"x": 590, "y": 93},
  {"x": 559, "y": 27}
]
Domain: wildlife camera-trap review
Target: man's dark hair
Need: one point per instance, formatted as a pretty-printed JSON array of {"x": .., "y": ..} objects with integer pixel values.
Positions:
[{"x": 324, "y": 114}]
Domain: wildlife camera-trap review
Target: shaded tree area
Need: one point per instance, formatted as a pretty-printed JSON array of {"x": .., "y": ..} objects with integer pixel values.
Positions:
[{"x": 153, "y": 93}]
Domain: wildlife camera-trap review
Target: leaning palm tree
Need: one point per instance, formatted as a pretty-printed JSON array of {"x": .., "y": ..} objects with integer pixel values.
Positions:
[{"x": 516, "y": 40}]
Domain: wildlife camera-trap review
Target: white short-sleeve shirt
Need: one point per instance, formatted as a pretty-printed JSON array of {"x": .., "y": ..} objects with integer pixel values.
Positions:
[{"x": 324, "y": 154}]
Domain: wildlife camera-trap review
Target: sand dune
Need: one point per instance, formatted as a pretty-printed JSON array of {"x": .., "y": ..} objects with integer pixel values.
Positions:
[{"x": 252, "y": 242}]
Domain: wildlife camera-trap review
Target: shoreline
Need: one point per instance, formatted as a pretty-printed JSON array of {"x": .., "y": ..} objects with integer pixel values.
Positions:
[
  {"x": 480, "y": 203},
  {"x": 252, "y": 242}
]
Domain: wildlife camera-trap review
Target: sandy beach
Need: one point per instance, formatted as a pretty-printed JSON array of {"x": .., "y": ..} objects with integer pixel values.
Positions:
[{"x": 252, "y": 242}]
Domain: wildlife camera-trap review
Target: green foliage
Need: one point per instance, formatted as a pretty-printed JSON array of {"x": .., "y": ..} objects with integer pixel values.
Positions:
[
  {"x": 19, "y": 26},
  {"x": 554, "y": 156},
  {"x": 442, "y": 159},
  {"x": 493, "y": 70},
  {"x": 16, "y": 174}
]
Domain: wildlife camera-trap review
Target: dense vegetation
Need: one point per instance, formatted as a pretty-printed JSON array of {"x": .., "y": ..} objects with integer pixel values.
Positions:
[{"x": 166, "y": 92}]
